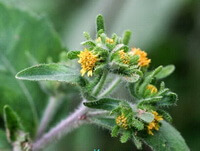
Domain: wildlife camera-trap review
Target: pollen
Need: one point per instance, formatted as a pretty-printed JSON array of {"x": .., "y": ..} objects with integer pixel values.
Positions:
[
  {"x": 154, "y": 125},
  {"x": 121, "y": 121},
  {"x": 143, "y": 60},
  {"x": 124, "y": 57},
  {"x": 88, "y": 60},
  {"x": 109, "y": 40},
  {"x": 152, "y": 88}
]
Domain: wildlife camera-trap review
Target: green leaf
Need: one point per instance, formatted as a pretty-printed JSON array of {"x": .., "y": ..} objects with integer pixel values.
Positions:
[
  {"x": 23, "y": 32},
  {"x": 137, "y": 142},
  {"x": 125, "y": 136},
  {"x": 148, "y": 80},
  {"x": 146, "y": 116},
  {"x": 88, "y": 43},
  {"x": 166, "y": 71},
  {"x": 168, "y": 99},
  {"x": 138, "y": 124},
  {"x": 100, "y": 23},
  {"x": 87, "y": 35},
  {"x": 52, "y": 72},
  {"x": 107, "y": 123},
  {"x": 166, "y": 139},
  {"x": 12, "y": 124},
  {"x": 73, "y": 54},
  {"x": 126, "y": 37},
  {"x": 104, "y": 104},
  {"x": 165, "y": 115},
  {"x": 150, "y": 100},
  {"x": 115, "y": 131},
  {"x": 3, "y": 141}
]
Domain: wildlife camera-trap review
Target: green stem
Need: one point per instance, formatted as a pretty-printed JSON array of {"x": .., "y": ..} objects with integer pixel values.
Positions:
[
  {"x": 99, "y": 86},
  {"x": 110, "y": 88}
]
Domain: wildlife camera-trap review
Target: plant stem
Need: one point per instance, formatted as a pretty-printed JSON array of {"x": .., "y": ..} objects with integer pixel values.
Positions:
[
  {"x": 53, "y": 104},
  {"x": 111, "y": 87},
  {"x": 77, "y": 118},
  {"x": 100, "y": 84},
  {"x": 64, "y": 127}
]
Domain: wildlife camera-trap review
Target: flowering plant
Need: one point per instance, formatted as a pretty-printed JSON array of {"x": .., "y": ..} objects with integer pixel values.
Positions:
[{"x": 104, "y": 64}]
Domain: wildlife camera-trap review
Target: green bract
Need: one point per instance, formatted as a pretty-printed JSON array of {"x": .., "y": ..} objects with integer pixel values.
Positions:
[{"x": 109, "y": 61}]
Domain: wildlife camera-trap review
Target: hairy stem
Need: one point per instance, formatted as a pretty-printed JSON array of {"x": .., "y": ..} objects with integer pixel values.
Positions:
[
  {"x": 53, "y": 104},
  {"x": 111, "y": 87},
  {"x": 64, "y": 127},
  {"x": 100, "y": 84},
  {"x": 73, "y": 121}
]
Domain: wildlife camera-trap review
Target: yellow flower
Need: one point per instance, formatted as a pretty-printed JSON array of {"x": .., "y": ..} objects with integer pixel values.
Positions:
[
  {"x": 143, "y": 60},
  {"x": 124, "y": 57},
  {"x": 87, "y": 60},
  {"x": 156, "y": 116},
  {"x": 154, "y": 125},
  {"x": 152, "y": 88},
  {"x": 110, "y": 41},
  {"x": 121, "y": 121},
  {"x": 98, "y": 39}
]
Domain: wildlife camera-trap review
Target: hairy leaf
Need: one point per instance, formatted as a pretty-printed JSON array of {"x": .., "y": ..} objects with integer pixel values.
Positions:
[
  {"x": 125, "y": 136},
  {"x": 100, "y": 23},
  {"x": 146, "y": 116},
  {"x": 88, "y": 43},
  {"x": 52, "y": 72},
  {"x": 73, "y": 54},
  {"x": 12, "y": 124},
  {"x": 126, "y": 37},
  {"x": 107, "y": 123},
  {"x": 166, "y": 71},
  {"x": 166, "y": 139},
  {"x": 104, "y": 104},
  {"x": 148, "y": 80},
  {"x": 168, "y": 99},
  {"x": 23, "y": 32}
]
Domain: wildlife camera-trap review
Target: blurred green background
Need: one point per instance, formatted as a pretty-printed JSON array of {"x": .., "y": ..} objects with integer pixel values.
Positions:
[{"x": 169, "y": 30}]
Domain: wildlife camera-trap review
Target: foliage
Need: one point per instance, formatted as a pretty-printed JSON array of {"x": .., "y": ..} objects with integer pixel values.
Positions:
[{"x": 141, "y": 120}]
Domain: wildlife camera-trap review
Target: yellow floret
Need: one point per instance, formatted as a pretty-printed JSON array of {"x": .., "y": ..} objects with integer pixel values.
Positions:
[
  {"x": 152, "y": 88},
  {"x": 110, "y": 41},
  {"x": 124, "y": 57},
  {"x": 88, "y": 61},
  {"x": 154, "y": 125},
  {"x": 121, "y": 121},
  {"x": 143, "y": 60}
]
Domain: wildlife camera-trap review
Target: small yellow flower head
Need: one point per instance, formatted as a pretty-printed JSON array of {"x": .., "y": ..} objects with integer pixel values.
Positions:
[
  {"x": 109, "y": 41},
  {"x": 143, "y": 60},
  {"x": 152, "y": 88},
  {"x": 156, "y": 116},
  {"x": 87, "y": 60},
  {"x": 121, "y": 121},
  {"x": 124, "y": 57},
  {"x": 154, "y": 124},
  {"x": 98, "y": 39}
]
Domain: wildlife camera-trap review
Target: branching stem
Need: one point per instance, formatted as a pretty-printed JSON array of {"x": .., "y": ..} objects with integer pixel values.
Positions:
[
  {"x": 77, "y": 118},
  {"x": 53, "y": 104},
  {"x": 111, "y": 87},
  {"x": 64, "y": 127}
]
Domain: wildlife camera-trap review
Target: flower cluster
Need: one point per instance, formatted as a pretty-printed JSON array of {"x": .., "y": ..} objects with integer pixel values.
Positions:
[
  {"x": 105, "y": 55},
  {"x": 121, "y": 121}
]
